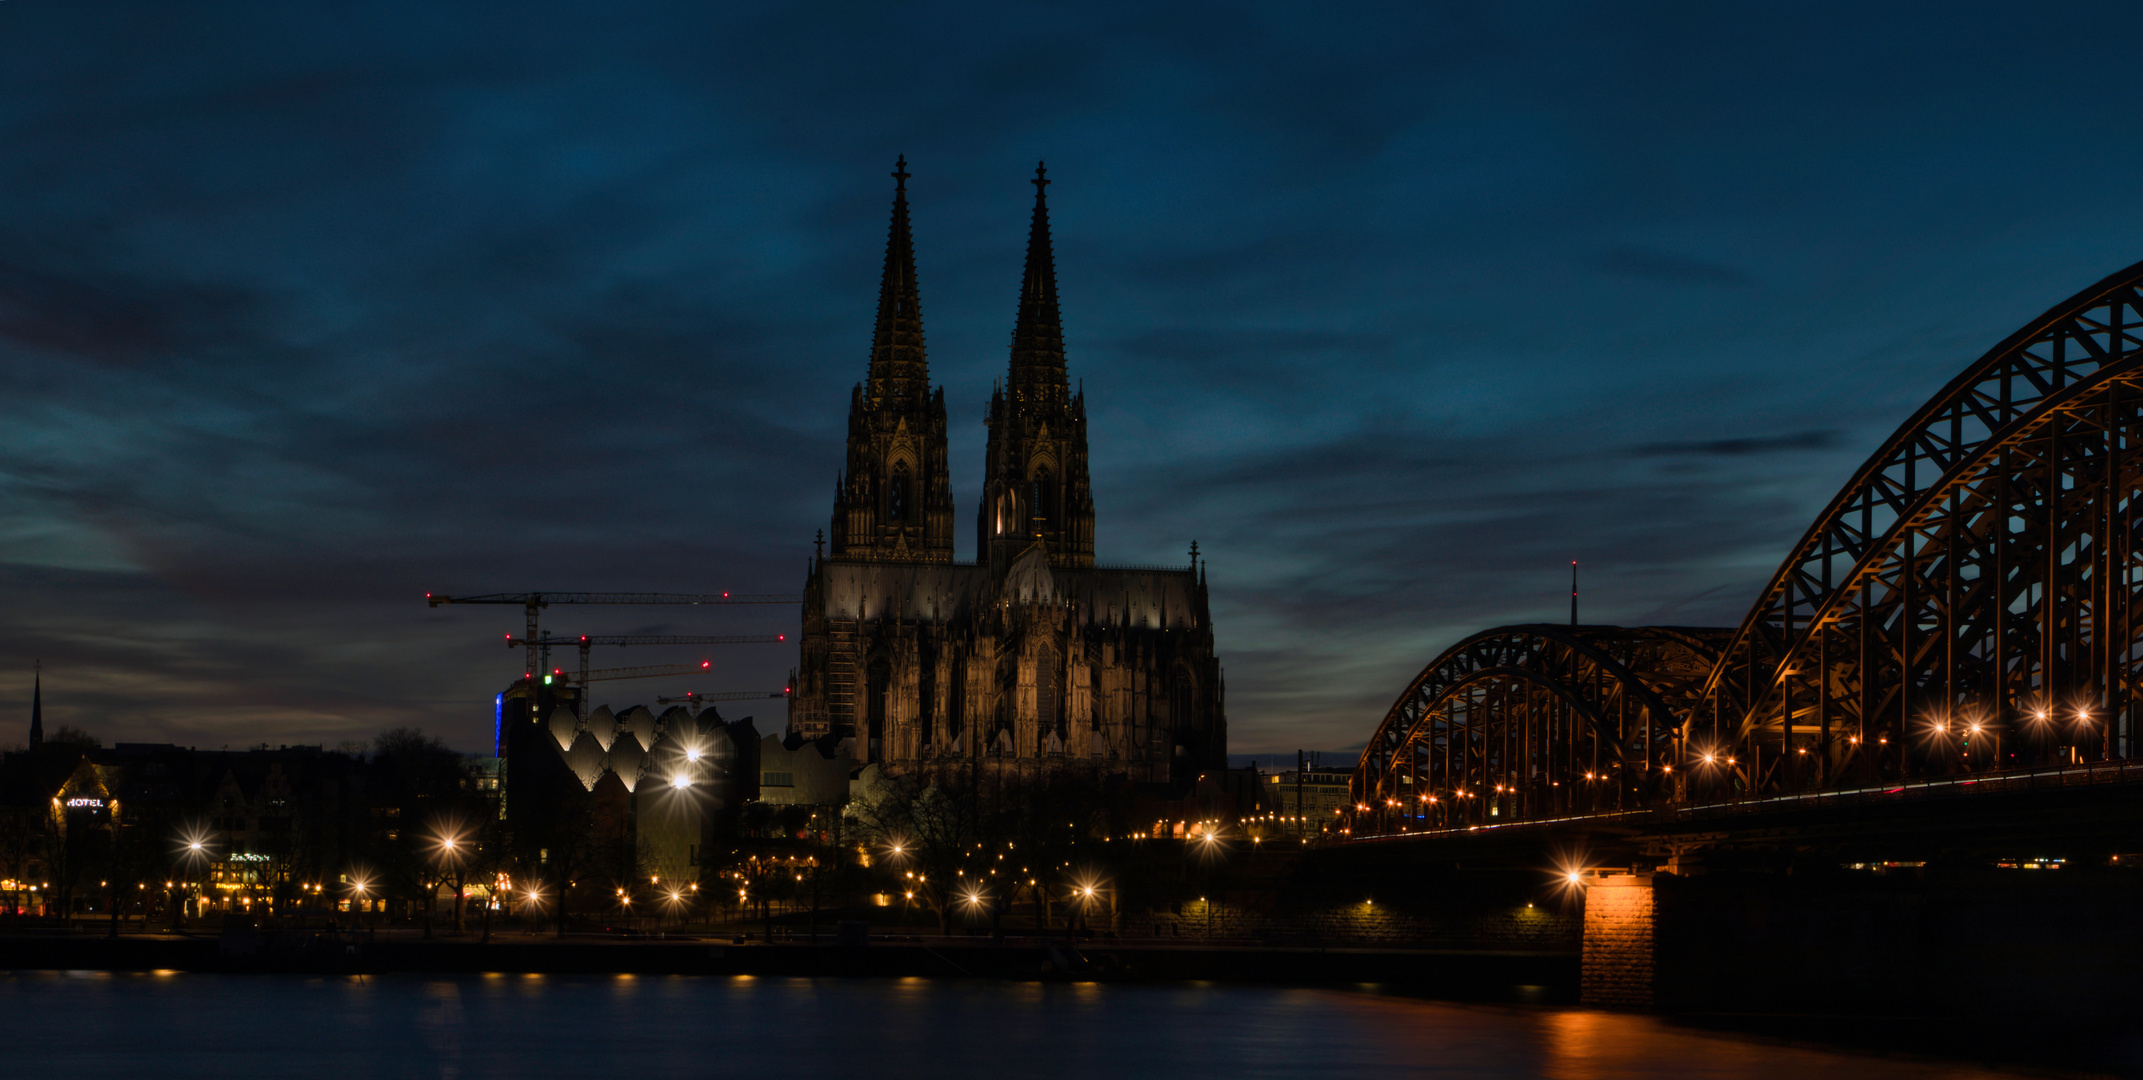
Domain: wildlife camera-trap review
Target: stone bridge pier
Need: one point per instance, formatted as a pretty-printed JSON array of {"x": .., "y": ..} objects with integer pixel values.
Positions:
[{"x": 1616, "y": 963}]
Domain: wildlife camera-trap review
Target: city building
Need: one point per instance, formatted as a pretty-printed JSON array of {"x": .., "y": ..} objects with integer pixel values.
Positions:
[
  {"x": 85, "y": 829},
  {"x": 654, "y": 784},
  {"x": 137, "y": 829},
  {"x": 1307, "y": 799},
  {"x": 795, "y": 771},
  {"x": 1034, "y": 654}
]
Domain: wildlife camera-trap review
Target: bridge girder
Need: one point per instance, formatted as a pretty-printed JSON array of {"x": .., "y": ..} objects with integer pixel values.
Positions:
[
  {"x": 1977, "y": 570},
  {"x": 1968, "y": 601},
  {"x": 1536, "y": 720}
]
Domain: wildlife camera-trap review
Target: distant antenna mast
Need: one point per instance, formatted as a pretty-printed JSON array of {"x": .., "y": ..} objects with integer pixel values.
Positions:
[{"x": 1573, "y": 592}]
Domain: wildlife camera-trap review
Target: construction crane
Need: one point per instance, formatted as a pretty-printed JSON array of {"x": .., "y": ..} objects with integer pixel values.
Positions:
[
  {"x": 534, "y": 602},
  {"x": 646, "y": 671},
  {"x": 695, "y": 699},
  {"x": 585, "y": 642},
  {"x": 735, "y": 695},
  {"x": 656, "y": 671}
]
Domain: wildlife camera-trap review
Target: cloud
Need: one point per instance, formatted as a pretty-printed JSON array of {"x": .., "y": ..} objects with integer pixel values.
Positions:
[
  {"x": 1824, "y": 439},
  {"x": 1442, "y": 538},
  {"x": 1653, "y": 265},
  {"x": 68, "y": 303}
]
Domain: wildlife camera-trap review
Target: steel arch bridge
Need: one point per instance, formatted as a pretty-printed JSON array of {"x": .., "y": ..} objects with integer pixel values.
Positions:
[{"x": 1966, "y": 604}]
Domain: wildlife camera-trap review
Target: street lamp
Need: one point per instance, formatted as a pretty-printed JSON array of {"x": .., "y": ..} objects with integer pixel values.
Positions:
[
  {"x": 2085, "y": 728},
  {"x": 448, "y": 851},
  {"x": 1085, "y": 892},
  {"x": 360, "y": 890},
  {"x": 193, "y": 851}
]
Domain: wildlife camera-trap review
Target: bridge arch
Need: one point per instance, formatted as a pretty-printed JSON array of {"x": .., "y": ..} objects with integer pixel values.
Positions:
[
  {"x": 1534, "y": 721},
  {"x": 1967, "y": 602},
  {"x": 1978, "y": 571}
]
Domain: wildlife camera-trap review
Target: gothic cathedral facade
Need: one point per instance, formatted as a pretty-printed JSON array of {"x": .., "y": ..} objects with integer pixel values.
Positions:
[{"x": 1032, "y": 655}]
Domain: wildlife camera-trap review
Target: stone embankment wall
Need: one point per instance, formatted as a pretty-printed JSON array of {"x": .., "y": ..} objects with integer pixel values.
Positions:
[
  {"x": 1514, "y": 927},
  {"x": 1337, "y": 899}
]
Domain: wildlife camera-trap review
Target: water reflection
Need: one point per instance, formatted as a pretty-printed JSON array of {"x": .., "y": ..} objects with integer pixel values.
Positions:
[
  {"x": 442, "y": 1025},
  {"x": 1607, "y": 1046},
  {"x": 537, "y": 1026}
]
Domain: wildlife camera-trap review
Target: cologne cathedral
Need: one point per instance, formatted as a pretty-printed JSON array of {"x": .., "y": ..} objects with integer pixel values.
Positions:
[{"x": 1033, "y": 655}]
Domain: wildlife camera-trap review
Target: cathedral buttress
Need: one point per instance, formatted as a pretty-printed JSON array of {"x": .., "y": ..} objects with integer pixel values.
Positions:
[
  {"x": 894, "y": 501},
  {"x": 1035, "y": 473}
]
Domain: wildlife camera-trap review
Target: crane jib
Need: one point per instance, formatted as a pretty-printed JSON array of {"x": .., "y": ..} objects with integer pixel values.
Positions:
[{"x": 545, "y": 599}]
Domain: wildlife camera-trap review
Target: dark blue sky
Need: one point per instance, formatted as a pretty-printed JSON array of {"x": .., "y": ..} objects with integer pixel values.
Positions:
[{"x": 306, "y": 310}]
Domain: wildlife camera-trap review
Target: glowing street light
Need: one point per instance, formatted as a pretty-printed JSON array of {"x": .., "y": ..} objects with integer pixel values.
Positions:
[{"x": 193, "y": 843}]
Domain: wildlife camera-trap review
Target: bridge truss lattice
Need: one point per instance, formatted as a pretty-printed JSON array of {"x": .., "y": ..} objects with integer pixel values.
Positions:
[{"x": 1967, "y": 603}]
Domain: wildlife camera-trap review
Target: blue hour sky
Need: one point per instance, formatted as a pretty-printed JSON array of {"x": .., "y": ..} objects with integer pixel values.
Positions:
[{"x": 306, "y": 310}]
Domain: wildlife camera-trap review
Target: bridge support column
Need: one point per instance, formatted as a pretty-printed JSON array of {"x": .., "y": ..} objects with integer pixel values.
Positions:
[{"x": 1616, "y": 961}]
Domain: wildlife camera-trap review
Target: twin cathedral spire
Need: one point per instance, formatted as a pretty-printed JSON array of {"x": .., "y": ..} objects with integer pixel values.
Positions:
[{"x": 893, "y": 502}]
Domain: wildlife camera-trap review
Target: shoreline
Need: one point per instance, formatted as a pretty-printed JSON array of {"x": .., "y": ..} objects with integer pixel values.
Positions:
[{"x": 1542, "y": 976}]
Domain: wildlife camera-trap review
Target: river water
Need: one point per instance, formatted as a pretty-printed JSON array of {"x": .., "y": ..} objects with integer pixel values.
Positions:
[{"x": 85, "y": 1024}]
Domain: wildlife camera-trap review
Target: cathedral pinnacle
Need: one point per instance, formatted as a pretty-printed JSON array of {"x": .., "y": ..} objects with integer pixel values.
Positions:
[
  {"x": 1038, "y": 377},
  {"x": 1035, "y": 460},
  {"x": 894, "y": 499},
  {"x": 900, "y": 371}
]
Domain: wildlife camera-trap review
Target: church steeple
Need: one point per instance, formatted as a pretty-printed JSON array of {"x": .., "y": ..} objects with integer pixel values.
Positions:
[
  {"x": 894, "y": 500},
  {"x": 37, "y": 707},
  {"x": 900, "y": 371},
  {"x": 1038, "y": 377},
  {"x": 1035, "y": 477}
]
